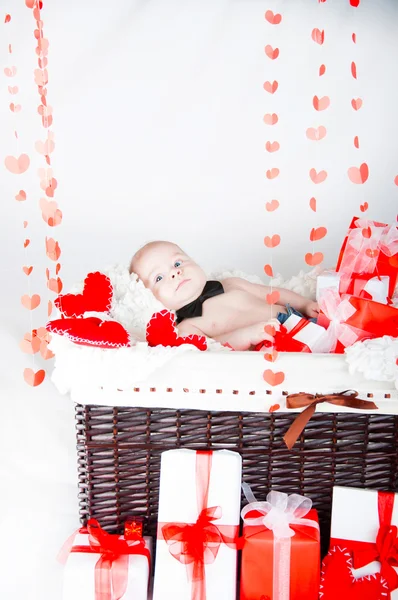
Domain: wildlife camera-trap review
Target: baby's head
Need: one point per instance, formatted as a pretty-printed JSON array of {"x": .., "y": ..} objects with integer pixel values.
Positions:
[{"x": 173, "y": 277}]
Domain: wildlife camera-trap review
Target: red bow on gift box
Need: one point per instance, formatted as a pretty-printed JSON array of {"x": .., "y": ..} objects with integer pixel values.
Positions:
[
  {"x": 111, "y": 569},
  {"x": 284, "y": 340},
  {"x": 385, "y": 550},
  {"x": 196, "y": 544}
]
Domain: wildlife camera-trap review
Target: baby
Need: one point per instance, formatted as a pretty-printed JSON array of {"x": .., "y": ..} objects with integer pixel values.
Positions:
[{"x": 234, "y": 312}]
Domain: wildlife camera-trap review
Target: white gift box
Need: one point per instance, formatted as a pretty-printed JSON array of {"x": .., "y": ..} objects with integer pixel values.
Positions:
[
  {"x": 312, "y": 335},
  {"x": 79, "y": 573},
  {"x": 378, "y": 288},
  {"x": 355, "y": 516},
  {"x": 178, "y": 504},
  {"x": 327, "y": 280}
]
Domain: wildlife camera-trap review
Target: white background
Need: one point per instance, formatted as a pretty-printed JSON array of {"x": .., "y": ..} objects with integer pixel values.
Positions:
[{"x": 158, "y": 108}]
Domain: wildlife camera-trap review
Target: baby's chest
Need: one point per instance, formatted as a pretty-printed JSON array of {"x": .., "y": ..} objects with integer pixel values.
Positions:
[{"x": 235, "y": 306}]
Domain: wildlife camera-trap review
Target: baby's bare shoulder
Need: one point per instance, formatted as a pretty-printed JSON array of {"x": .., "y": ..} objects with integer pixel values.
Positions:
[{"x": 234, "y": 283}]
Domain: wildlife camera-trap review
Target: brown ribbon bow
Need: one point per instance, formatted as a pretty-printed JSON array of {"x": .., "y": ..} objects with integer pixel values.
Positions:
[{"x": 347, "y": 398}]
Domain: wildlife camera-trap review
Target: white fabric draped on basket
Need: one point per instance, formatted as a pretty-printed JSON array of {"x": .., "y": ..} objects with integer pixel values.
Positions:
[{"x": 218, "y": 379}]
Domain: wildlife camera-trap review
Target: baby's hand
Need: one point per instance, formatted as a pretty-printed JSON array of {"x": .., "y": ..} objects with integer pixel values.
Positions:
[
  {"x": 259, "y": 332},
  {"x": 311, "y": 309},
  {"x": 248, "y": 337}
]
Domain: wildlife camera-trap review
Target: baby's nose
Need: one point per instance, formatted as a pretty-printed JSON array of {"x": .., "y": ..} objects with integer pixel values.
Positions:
[{"x": 176, "y": 272}]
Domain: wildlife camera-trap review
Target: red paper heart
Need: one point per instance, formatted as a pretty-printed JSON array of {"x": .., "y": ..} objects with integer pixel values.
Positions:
[
  {"x": 313, "y": 259},
  {"x": 268, "y": 270},
  {"x": 337, "y": 580},
  {"x": 97, "y": 296},
  {"x": 161, "y": 331},
  {"x": 273, "y": 378},
  {"x": 273, "y": 298},
  {"x": 91, "y": 332}
]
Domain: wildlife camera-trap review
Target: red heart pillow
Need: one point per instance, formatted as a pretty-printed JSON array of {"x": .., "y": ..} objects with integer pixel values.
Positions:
[
  {"x": 91, "y": 332},
  {"x": 161, "y": 331},
  {"x": 97, "y": 296},
  {"x": 338, "y": 582}
]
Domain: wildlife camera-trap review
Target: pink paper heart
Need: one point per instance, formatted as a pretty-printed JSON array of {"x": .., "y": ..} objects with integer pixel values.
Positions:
[
  {"x": 10, "y": 71},
  {"x": 316, "y": 133},
  {"x": 270, "y": 119},
  {"x": 17, "y": 165},
  {"x": 45, "y": 147},
  {"x": 318, "y": 177},
  {"x": 34, "y": 378},
  {"x": 359, "y": 175},
  {"x": 21, "y": 196}
]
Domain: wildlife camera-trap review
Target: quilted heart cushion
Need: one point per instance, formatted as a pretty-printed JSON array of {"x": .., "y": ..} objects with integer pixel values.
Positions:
[
  {"x": 338, "y": 581},
  {"x": 96, "y": 297},
  {"x": 161, "y": 330},
  {"x": 91, "y": 332}
]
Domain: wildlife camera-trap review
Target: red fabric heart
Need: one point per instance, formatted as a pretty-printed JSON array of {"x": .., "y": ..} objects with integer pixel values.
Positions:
[
  {"x": 337, "y": 580},
  {"x": 97, "y": 296},
  {"x": 91, "y": 332},
  {"x": 161, "y": 331}
]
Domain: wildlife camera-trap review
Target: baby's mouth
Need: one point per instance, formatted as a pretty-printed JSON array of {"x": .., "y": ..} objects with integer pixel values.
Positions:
[{"x": 182, "y": 283}]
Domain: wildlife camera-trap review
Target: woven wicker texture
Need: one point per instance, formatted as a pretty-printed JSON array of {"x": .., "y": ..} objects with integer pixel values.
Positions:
[{"x": 119, "y": 453}]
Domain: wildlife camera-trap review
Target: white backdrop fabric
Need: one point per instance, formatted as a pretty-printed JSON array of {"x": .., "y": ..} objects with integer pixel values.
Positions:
[{"x": 158, "y": 108}]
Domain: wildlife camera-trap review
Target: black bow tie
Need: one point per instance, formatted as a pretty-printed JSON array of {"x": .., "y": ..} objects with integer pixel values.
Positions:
[{"x": 194, "y": 309}]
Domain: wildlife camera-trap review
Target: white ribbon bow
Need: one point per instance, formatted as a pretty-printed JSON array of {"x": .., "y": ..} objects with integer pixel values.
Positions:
[{"x": 337, "y": 311}]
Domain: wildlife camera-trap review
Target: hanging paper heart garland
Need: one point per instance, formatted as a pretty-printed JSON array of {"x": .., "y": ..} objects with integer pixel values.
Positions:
[
  {"x": 161, "y": 331},
  {"x": 91, "y": 331},
  {"x": 271, "y": 119},
  {"x": 338, "y": 581},
  {"x": 97, "y": 297}
]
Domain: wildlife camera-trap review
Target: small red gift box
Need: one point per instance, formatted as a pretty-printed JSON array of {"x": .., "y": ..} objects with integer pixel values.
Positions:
[
  {"x": 371, "y": 248},
  {"x": 281, "y": 555}
]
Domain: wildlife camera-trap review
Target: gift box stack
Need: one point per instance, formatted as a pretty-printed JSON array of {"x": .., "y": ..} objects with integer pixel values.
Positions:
[
  {"x": 199, "y": 538},
  {"x": 355, "y": 300}
]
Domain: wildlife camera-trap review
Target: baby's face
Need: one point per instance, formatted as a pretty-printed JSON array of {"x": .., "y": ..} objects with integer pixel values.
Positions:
[{"x": 173, "y": 277}]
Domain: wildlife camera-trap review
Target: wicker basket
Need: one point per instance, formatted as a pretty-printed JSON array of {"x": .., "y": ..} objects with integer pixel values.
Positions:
[{"x": 119, "y": 456}]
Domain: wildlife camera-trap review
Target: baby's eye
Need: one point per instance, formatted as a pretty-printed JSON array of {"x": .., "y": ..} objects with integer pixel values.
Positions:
[
  {"x": 158, "y": 278},
  {"x": 177, "y": 263}
]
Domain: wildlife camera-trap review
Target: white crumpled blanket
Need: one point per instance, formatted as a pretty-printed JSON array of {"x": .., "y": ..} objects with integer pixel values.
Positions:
[{"x": 375, "y": 359}]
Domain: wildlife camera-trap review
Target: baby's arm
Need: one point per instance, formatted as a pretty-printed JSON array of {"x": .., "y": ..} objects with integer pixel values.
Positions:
[
  {"x": 239, "y": 339},
  {"x": 300, "y": 303}
]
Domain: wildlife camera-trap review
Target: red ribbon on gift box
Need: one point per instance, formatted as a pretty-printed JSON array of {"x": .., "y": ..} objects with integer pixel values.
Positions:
[
  {"x": 111, "y": 569},
  {"x": 197, "y": 544},
  {"x": 284, "y": 340},
  {"x": 373, "y": 317},
  {"x": 357, "y": 285},
  {"x": 385, "y": 547}
]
